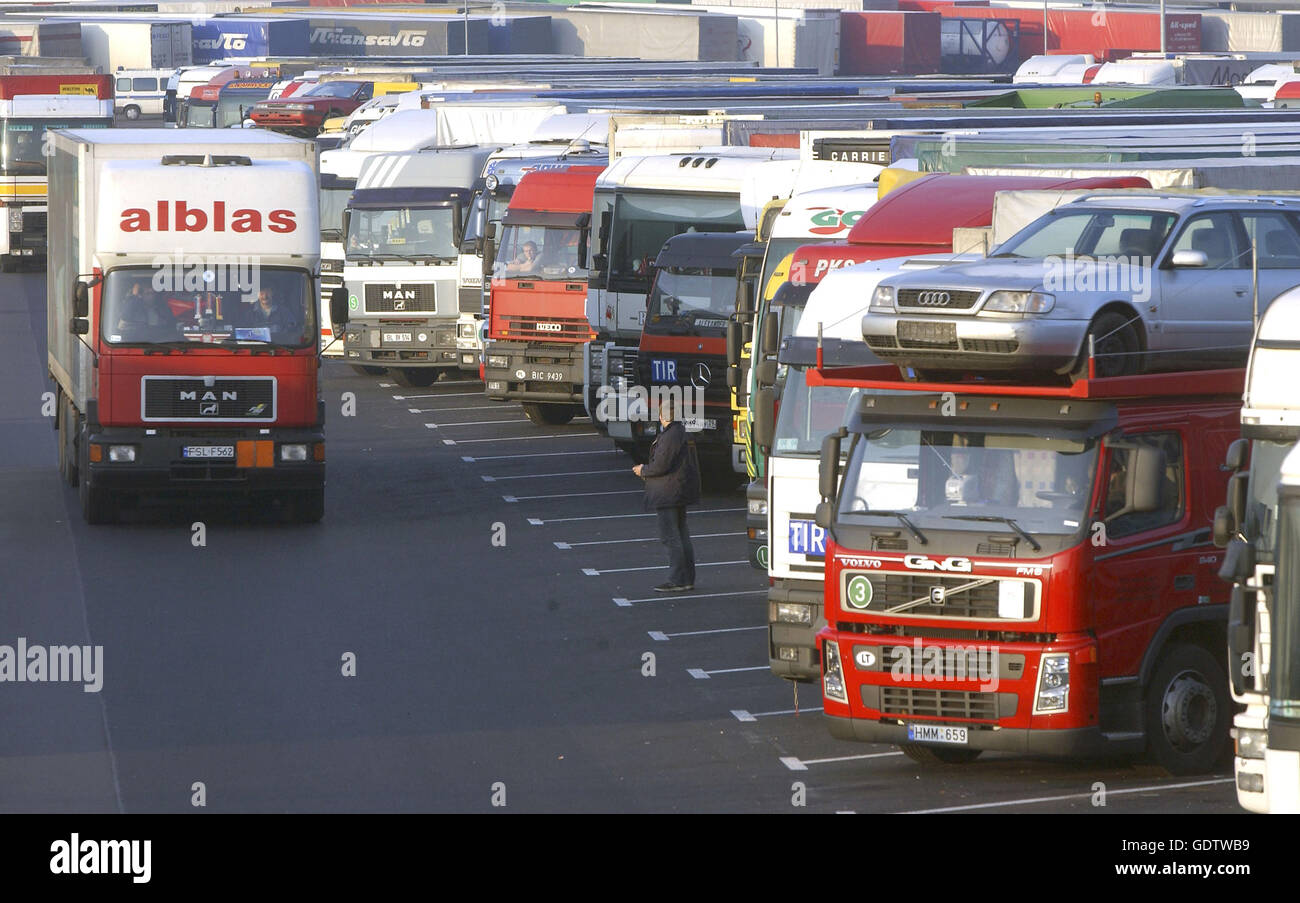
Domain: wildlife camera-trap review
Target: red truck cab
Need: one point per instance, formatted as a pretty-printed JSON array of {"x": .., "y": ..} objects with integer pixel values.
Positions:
[{"x": 1030, "y": 569}]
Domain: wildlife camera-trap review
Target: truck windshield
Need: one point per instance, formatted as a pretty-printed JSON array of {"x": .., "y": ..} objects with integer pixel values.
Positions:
[
  {"x": 1261, "y": 509},
  {"x": 24, "y": 142},
  {"x": 693, "y": 294},
  {"x": 777, "y": 249},
  {"x": 333, "y": 201},
  {"x": 226, "y": 302},
  {"x": 809, "y": 413},
  {"x": 789, "y": 303},
  {"x": 404, "y": 233},
  {"x": 1091, "y": 233},
  {"x": 198, "y": 114},
  {"x": 643, "y": 222},
  {"x": 233, "y": 109},
  {"x": 1285, "y": 666},
  {"x": 940, "y": 479},
  {"x": 540, "y": 252}
]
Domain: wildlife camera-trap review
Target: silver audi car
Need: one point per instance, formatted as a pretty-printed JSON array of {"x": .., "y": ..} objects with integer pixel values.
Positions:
[{"x": 1149, "y": 281}]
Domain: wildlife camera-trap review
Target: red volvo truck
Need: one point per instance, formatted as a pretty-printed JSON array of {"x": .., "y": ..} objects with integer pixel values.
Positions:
[
  {"x": 182, "y": 317},
  {"x": 537, "y": 319},
  {"x": 1030, "y": 569}
]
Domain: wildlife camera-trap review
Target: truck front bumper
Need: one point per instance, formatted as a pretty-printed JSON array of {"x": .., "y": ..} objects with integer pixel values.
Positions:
[
  {"x": 1066, "y": 742},
  {"x": 161, "y": 467},
  {"x": 792, "y": 649},
  {"x": 534, "y": 373},
  {"x": 406, "y": 343}
]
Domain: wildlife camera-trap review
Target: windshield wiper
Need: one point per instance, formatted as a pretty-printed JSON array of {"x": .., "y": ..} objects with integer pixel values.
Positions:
[
  {"x": 911, "y": 527},
  {"x": 1010, "y": 522}
]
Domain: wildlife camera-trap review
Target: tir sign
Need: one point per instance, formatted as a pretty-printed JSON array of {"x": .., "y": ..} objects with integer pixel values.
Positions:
[{"x": 664, "y": 371}]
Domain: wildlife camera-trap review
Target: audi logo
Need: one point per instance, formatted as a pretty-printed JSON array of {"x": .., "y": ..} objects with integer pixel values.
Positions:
[{"x": 933, "y": 299}]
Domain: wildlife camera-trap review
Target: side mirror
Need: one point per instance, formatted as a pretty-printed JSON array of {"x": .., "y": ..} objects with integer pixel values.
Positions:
[
  {"x": 599, "y": 262},
  {"x": 1187, "y": 258},
  {"x": 745, "y": 301},
  {"x": 771, "y": 334},
  {"x": 1241, "y": 634},
  {"x": 1235, "y": 459},
  {"x": 339, "y": 305},
  {"x": 490, "y": 232},
  {"x": 764, "y": 418},
  {"x": 1148, "y": 478},
  {"x": 829, "y": 470},
  {"x": 733, "y": 343},
  {"x": 79, "y": 326},
  {"x": 1238, "y": 484},
  {"x": 765, "y": 373},
  {"x": 822, "y": 515},
  {"x": 1238, "y": 562},
  {"x": 347, "y": 219},
  {"x": 81, "y": 300},
  {"x": 1225, "y": 526}
]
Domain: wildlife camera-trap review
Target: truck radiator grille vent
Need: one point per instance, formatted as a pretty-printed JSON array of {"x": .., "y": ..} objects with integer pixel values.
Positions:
[
  {"x": 552, "y": 328},
  {"x": 956, "y": 596},
  {"x": 381, "y": 298},
  {"x": 215, "y": 400},
  {"x": 949, "y": 704}
]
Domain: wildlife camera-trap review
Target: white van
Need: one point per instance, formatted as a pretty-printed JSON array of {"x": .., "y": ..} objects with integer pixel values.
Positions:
[{"x": 140, "y": 92}]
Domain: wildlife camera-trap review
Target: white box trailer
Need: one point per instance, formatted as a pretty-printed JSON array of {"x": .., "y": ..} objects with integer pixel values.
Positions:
[
  {"x": 174, "y": 257},
  {"x": 137, "y": 45}
]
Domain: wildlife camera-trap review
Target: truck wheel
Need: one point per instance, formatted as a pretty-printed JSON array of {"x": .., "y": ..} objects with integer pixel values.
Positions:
[
  {"x": 414, "y": 377},
  {"x": 97, "y": 505},
  {"x": 67, "y": 448},
  {"x": 938, "y": 755},
  {"x": 308, "y": 507},
  {"x": 549, "y": 414},
  {"x": 7, "y": 264},
  {"x": 1187, "y": 711},
  {"x": 132, "y": 112},
  {"x": 367, "y": 370},
  {"x": 1117, "y": 343}
]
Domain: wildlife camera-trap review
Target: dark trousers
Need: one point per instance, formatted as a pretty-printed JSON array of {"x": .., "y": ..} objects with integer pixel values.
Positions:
[{"x": 674, "y": 536}]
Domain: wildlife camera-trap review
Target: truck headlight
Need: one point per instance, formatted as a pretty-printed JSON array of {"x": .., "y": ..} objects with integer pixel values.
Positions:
[
  {"x": 15, "y": 219},
  {"x": 467, "y": 330},
  {"x": 794, "y": 613},
  {"x": 832, "y": 674},
  {"x": 758, "y": 507},
  {"x": 498, "y": 360},
  {"x": 882, "y": 299},
  {"x": 1020, "y": 303},
  {"x": 293, "y": 452},
  {"x": 1251, "y": 744},
  {"x": 121, "y": 454},
  {"x": 1053, "y": 684}
]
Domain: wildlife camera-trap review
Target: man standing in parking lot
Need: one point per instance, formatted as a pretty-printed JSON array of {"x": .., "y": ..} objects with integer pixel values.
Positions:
[{"x": 672, "y": 481}]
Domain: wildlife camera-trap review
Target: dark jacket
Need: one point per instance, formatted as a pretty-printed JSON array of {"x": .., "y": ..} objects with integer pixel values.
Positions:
[{"x": 672, "y": 475}]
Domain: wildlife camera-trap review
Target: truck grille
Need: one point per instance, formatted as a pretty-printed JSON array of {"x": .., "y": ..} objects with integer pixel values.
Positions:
[
  {"x": 389, "y": 298},
  {"x": 979, "y": 599},
  {"x": 937, "y": 299},
  {"x": 958, "y": 705},
  {"x": 211, "y": 400},
  {"x": 570, "y": 329}
]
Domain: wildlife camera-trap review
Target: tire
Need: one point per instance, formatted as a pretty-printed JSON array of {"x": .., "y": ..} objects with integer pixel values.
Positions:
[
  {"x": 367, "y": 370},
  {"x": 414, "y": 377},
  {"x": 938, "y": 755},
  {"x": 67, "y": 420},
  {"x": 1115, "y": 335},
  {"x": 549, "y": 414},
  {"x": 132, "y": 113},
  {"x": 1187, "y": 711},
  {"x": 307, "y": 507},
  {"x": 7, "y": 264},
  {"x": 97, "y": 505}
]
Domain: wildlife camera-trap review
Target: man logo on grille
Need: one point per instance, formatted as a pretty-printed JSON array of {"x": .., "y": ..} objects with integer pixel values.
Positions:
[
  {"x": 208, "y": 408},
  {"x": 399, "y": 304},
  {"x": 933, "y": 299}
]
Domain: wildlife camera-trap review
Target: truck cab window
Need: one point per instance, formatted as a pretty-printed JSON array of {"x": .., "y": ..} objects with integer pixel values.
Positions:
[{"x": 1121, "y": 522}]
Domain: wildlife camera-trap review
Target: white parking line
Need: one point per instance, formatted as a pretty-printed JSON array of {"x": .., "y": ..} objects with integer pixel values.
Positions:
[
  {"x": 610, "y": 542},
  {"x": 1068, "y": 796},
  {"x": 435, "y": 426},
  {"x": 796, "y": 764},
  {"x": 538, "y": 476},
  {"x": 743, "y": 715},
  {"x": 537, "y": 521},
  {"x": 701, "y": 674},
  {"x": 570, "y": 495},
  {"x": 474, "y": 460},
  {"x": 475, "y": 407},
  {"x": 627, "y": 603},
  {"x": 438, "y": 395},
  {"x": 662, "y": 637},
  {"x": 592, "y": 572},
  {"x": 519, "y": 438}
]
